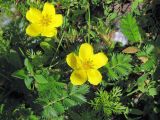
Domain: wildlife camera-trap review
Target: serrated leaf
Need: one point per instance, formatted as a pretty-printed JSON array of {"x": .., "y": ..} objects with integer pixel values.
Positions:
[
  {"x": 60, "y": 97},
  {"x": 130, "y": 28},
  {"x": 59, "y": 107},
  {"x": 119, "y": 66},
  {"x": 147, "y": 51},
  {"x": 148, "y": 65},
  {"x": 49, "y": 113},
  {"x": 78, "y": 98},
  {"x": 120, "y": 70},
  {"x": 109, "y": 102},
  {"x": 130, "y": 50},
  {"x": 112, "y": 74},
  {"x": 79, "y": 90},
  {"x": 69, "y": 102}
]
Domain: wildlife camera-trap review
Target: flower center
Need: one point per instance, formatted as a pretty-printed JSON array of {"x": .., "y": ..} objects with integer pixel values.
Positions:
[
  {"x": 87, "y": 65},
  {"x": 46, "y": 20}
]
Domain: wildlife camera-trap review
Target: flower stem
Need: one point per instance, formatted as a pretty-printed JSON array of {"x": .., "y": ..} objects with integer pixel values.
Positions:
[{"x": 89, "y": 23}]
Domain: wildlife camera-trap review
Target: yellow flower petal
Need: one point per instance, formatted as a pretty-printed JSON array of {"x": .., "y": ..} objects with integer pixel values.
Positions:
[
  {"x": 57, "y": 20},
  {"x": 33, "y": 15},
  {"x": 94, "y": 76},
  {"x": 85, "y": 51},
  {"x": 48, "y": 9},
  {"x": 49, "y": 31},
  {"x": 73, "y": 61},
  {"x": 99, "y": 60},
  {"x": 78, "y": 77},
  {"x": 34, "y": 30}
]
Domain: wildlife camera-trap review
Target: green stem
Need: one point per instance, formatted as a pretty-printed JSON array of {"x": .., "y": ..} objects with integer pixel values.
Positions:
[
  {"x": 57, "y": 48},
  {"x": 89, "y": 23},
  {"x": 139, "y": 46},
  {"x": 52, "y": 102},
  {"x": 60, "y": 42},
  {"x": 132, "y": 92}
]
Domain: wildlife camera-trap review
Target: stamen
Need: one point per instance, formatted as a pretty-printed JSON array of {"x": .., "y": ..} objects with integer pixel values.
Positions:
[
  {"x": 87, "y": 64},
  {"x": 46, "y": 20}
]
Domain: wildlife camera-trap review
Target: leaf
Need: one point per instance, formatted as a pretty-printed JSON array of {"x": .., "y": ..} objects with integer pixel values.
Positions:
[
  {"x": 148, "y": 51},
  {"x": 130, "y": 28},
  {"x": 28, "y": 66},
  {"x": 78, "y": 98},
  {"x": 108, "y": 102},
  {"x": 59, "y": 108},
  {"x": 135, "y": 111},
  {"x": 149, "y": 65},
  {"x": 83, "y": 89},
  {"x": 143, "y": 59},
  {"x": 119, "y": 66},
  {"x": 134, "y": 6},
  {"x": 131, "y": 49},
  {"x": 46, "y": 47},
  {"x": 28, "y": 82},
  {"x": 49, "y": 113},
  {"x": 40, "y": 79},
  {"x": 21, "y": 74},
  {"x": 69, "y": 103},
  {"x": 152, "y": 91},
  {"x": 59, "y": 97},
  {"x": 141, "y": 82}
]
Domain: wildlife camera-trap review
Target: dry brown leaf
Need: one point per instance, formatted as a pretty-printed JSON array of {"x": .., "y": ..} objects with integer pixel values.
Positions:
[
  {"x": 143, "y": 59},
  {"x": 130, "y": 50}
]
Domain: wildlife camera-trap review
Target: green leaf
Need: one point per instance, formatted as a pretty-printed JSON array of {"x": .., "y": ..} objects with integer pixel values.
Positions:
[
  {"x": 46, "y": 47},
  {"x": 152, "y": 91},
  {"x": 78, "y": 98},
  {"x": 1, "y": 108},
  {"x": 21, "y": 74},
  {"x": 69, "y": 103},
  {"x": 130, "y": 28},
  {"x": 141, "y": 82},
  {"x": 135, "y": 111},
  {"x": 134, "y": 6},
  {"x": 79, "y": 90},
  {"x": 49, "y": 113},
  {"x": 108, "y": 102},
  {"x": 59, "y": 107},
  {"x": 28, "y": 82},
  {"x": 119, "y": 66},
  {"x": 61, "y": 97},
  {"x": 40, "y": 79},
  {"x": 28, "y": 66},
  {"x": 151, "y": 63}
]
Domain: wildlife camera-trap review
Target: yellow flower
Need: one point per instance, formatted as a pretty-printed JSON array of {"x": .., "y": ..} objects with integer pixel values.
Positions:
[
  {"x": 43, "y": 23},
  {"x": 86, "y": 65}
]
